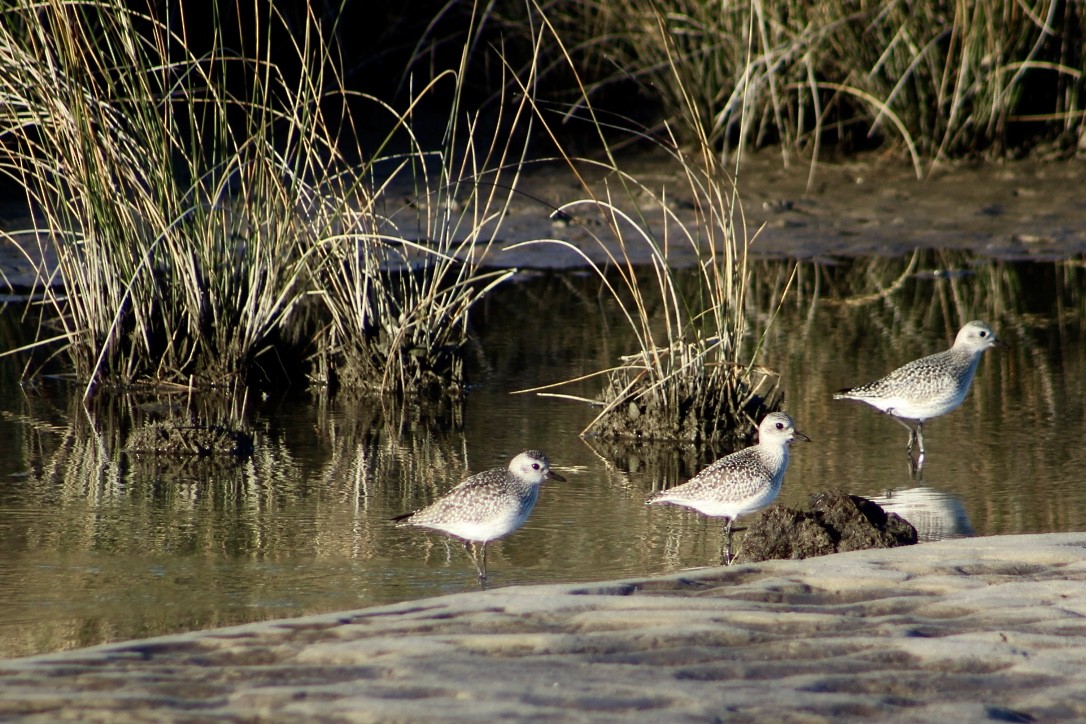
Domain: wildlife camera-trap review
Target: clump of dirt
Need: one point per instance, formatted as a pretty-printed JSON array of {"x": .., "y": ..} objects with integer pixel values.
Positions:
[{"x": 837, "y": 522}]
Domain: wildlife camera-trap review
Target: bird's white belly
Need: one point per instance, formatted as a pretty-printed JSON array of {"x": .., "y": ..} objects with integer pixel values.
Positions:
[
  {"x": 733, "y": 508},
  {"x": 486, "y": 530},
  {"x": 918, "y": 409}
]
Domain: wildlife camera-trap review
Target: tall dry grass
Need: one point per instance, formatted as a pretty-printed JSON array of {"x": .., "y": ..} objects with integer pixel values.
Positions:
[
  {"x": 184, "y": 215},
  {"x": 691, "y": 376},
  {"x": 933, "y": 79},
  {"x": 399, "y": 292},
  {"x": 215, "y": 219}
]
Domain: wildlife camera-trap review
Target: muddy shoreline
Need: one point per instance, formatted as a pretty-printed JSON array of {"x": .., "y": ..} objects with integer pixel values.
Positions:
[
  {"x": 863, "y": 207},
  {"x": 866, "y": 206}
]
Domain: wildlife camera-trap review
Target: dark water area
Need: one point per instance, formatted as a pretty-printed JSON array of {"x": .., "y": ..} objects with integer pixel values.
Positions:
[{"x": 99, "y": 545}]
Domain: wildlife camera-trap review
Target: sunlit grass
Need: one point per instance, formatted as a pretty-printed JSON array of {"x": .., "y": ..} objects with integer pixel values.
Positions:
[
  {"x": 399, "y": 292},
  {"x": 688, "y": 378},
  {"x": 184, "y": 216},
  {"x": 930, "y": 79},
  {"x": 214, "y": 218}
]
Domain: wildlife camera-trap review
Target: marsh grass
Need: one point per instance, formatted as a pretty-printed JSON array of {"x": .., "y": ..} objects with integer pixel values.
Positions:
[
  {"x": 685, "y": 379},
  {"x": 399, "y": 293},
  {"x": 932, "y": 79},
  {"x": 183, "y": 215},
  {"x": 209, "y": 226}
]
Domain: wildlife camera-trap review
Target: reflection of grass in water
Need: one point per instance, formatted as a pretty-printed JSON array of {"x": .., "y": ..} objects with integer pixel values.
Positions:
[
  {"x": 316, "y": 491},
  {"x": 930, "y": 289}
]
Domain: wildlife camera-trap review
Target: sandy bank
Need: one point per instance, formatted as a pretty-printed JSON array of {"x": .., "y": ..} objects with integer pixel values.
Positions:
[{"x": 958, "y": 630}]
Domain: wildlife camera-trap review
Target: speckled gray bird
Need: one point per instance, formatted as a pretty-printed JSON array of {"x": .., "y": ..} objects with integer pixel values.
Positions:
[
  {"x": 930, "y": 386},
  {"x": 743, "y": 482},
  {"x": 488, "y": 505}
]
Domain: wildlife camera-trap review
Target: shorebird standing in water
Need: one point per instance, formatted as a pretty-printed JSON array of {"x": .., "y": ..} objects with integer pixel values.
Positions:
[
  {"x": 488, "y": 505},
  {"x": 928, "y": 387},
  {"x": 740, "y": 483}
]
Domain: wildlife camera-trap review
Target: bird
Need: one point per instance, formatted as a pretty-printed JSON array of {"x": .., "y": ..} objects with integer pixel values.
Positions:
[
  {"x": 488, "y": 505},
  {"x": 928, "y": 387},
  {"x": 743, "y": 482}
]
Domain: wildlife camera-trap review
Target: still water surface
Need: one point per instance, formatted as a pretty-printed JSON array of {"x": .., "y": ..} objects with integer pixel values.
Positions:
[{"x": 97, "y": 545}]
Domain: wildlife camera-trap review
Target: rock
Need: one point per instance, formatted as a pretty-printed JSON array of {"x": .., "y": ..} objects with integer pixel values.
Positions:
[{"x": 837, "y": 522}]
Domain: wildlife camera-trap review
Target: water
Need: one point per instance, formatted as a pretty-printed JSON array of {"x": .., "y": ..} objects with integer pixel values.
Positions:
[{"x": 96, "y": 545}]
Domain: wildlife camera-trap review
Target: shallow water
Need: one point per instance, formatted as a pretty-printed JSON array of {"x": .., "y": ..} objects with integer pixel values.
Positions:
[{"x": 97, "y": 545}]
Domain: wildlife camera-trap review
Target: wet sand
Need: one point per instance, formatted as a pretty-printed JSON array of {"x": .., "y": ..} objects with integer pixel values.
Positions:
[{"x": 964, "y": 630}]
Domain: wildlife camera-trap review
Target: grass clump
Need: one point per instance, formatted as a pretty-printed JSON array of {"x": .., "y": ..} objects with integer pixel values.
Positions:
[
  {"x": 680, "y": 277},
  {"x": 936, "y": 79},
  {"x": 213, "y": 215},
  {"x": 183, "y": 214},
  {"x": 399, "y": 293}
]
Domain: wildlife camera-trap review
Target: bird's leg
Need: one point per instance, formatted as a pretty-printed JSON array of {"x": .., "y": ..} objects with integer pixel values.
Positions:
[
  {"x": 482, "y": 571},
  {"x": 473, "y": 551},
  {"x": 726, "y": 552},
  {"x": 916, "y": 437},
  {"x": 912, "y": 432},
  {"x": 920, "y": 439}
]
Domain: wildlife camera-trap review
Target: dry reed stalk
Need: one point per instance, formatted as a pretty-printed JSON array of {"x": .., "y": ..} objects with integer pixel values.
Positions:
[{"x": 683, "y": 381}]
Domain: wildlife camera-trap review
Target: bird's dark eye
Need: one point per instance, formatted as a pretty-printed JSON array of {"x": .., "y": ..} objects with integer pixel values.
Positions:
[
  {"x": 780, "y": 425},
  {"x": 535, "y": 466},
  {"x": 983, "y": 334}
]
